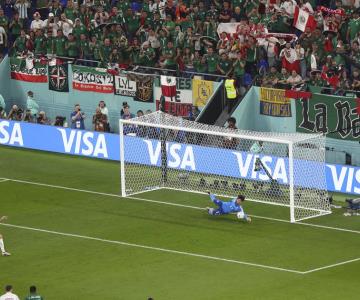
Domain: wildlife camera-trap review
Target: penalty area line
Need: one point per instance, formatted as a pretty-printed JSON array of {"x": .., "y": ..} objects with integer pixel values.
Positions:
[
  {"x": 171, "y": 204},
  {"x": 122, "y": 243},
  {"x": 332, "y": 266}
]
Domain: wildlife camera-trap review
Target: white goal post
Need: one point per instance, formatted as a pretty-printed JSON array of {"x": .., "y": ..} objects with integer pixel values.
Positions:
[{"x": 160, "y": 151}]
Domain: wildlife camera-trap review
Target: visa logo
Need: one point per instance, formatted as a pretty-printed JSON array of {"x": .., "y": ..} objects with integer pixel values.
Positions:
[
  {"x": 178, "y": 155},
  {"x": 10, "y": 136},
  {"x": 84, "y": 142}
]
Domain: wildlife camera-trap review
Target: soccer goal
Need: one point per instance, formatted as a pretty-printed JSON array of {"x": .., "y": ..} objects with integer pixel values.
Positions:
[{"x": 160, "y": 151}]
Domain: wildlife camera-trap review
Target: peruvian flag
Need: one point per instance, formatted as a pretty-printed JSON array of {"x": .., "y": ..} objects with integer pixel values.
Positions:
[
  {"x": 302, "y": 19},
  {"x": 168, "y": 86}
]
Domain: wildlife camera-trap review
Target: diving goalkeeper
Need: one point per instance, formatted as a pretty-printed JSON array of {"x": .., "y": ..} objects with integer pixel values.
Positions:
[{"x": 228, "y": 207}]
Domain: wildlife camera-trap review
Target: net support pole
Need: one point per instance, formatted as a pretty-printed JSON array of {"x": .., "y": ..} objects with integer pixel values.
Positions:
[
  {"x": 291, "y": 183},
  {"x": 122, "y": 159},
  {"x": 163, "y": 155}
]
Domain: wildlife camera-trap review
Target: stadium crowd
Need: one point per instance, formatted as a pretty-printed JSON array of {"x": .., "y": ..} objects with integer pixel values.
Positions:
[{"x": 185, "y": 35}]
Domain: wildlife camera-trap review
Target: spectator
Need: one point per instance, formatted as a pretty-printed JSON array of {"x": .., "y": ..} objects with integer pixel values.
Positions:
[
  {"x": 77, "y": 118},
  {"x": 9, "y": 295},
  {"x": 42, "y": 119},
  {"x": 31, "y": 104},
  {"x": 37, "y": 23},
  {"x": 230, "y": 142},
  {"x": 3, "y": 40},
  {"x": 66, "y": 25},
  {"x": 139, "y": 113},
  {"x": 127, "y": 114},
  {"x": 22, "y": 7},
  {"x": 100, "y": 120},
  {"x": 294, "y": 79},
  {"x": 33, "y": 294},
  {"x": 193, "y": 113}
]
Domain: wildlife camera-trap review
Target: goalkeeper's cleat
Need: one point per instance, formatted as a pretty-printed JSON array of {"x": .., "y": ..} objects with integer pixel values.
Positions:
[
  {"x": 210, "y": 210},
  {"x": 5, "y": 254}
]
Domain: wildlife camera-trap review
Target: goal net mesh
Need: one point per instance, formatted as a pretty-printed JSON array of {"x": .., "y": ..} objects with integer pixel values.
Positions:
[{"x": 285, "y": 169}]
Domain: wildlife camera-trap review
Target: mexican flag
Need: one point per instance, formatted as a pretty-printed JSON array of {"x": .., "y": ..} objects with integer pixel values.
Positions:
[
  {"x": 28, "y": 69},
  {"x": 302, "y": 20},
  {"x": 168, "y": 86}
]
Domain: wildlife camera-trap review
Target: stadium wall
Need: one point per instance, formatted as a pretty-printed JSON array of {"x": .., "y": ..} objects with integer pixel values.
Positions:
[
  {"x": 57, "y": 103},
  {"x": 248, "y": 117},
  {"x": 339, "y": 178}
]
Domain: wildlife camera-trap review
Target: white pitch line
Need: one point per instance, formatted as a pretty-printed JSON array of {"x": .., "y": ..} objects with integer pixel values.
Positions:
[
  {"x": 154, "y": 248},
  {"x": 173, "y": 204},
  {"x": 332, "y": 266},
  {"x": 3, "y": 179}
]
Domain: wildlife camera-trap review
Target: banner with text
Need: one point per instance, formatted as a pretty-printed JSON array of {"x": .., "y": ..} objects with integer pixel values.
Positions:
[
  {"x": 332, "y": 115},
  {"x": 181, "y": 104},
  {"x": 28, "y": 69},
  {"x": 192, "y": 158},
  {"x": 273, "y": 102},
  {"x": 202, "y": 91},
  {"x": 123, "y": 86},
  {"x": 92, "y": 80}
]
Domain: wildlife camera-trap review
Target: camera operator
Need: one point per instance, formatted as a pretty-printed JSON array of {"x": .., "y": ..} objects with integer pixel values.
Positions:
[
  {"x": 15, "y": 113},
  {"x": 77, "y": 118},
  {"x": 28, "y": 116},
  {"x": 42, "y": 119},
  {"x": 99, "y": 120},
  {"x": 60, "y": 121}
]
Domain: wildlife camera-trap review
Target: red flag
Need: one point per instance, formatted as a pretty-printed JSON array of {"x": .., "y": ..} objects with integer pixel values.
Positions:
[{"x": 297, "y": 94}]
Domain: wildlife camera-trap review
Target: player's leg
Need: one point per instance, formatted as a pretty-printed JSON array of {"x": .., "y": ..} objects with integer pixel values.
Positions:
[
  {"x": 216, "y": 201},
  {"x": 2, "y": 247},
  {"x": 214, "y": 211}
]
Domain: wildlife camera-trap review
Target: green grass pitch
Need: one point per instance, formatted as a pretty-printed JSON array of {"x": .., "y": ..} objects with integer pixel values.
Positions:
[{"x": 86, "y": 242}]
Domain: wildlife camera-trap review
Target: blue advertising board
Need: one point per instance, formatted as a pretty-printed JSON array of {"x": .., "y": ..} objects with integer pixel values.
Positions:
[{"x": 192, "y": 158}]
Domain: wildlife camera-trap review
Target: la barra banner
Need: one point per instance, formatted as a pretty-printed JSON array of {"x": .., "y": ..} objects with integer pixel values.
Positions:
[
  {"x": 92, "y": 80},
  {"x": 185, "y": 157},
  {"x": 337, "y": 117}
]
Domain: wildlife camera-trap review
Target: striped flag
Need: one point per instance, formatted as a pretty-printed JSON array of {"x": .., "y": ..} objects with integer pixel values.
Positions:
[
  {"x": 168, "y": 86},
  {"x": 302, "y": 19}
]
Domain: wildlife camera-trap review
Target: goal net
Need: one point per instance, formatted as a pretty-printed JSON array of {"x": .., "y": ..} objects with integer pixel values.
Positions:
[{"x": 160, "y": 151}]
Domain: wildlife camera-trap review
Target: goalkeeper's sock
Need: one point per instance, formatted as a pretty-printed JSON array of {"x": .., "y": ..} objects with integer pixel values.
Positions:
[{"x": 2, "y": 246}]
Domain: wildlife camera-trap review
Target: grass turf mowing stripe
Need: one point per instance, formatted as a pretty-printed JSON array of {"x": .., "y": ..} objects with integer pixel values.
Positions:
[
  {"x": 172, "y": 204},
  {"x": 153, "y": 248}
]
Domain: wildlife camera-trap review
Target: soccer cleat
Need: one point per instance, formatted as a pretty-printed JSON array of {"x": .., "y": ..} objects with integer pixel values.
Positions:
[{"x": 6, "y": 254}]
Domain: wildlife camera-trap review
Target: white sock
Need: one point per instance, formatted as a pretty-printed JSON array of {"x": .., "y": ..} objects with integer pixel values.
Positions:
[{"x": 2, "y": 247}]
